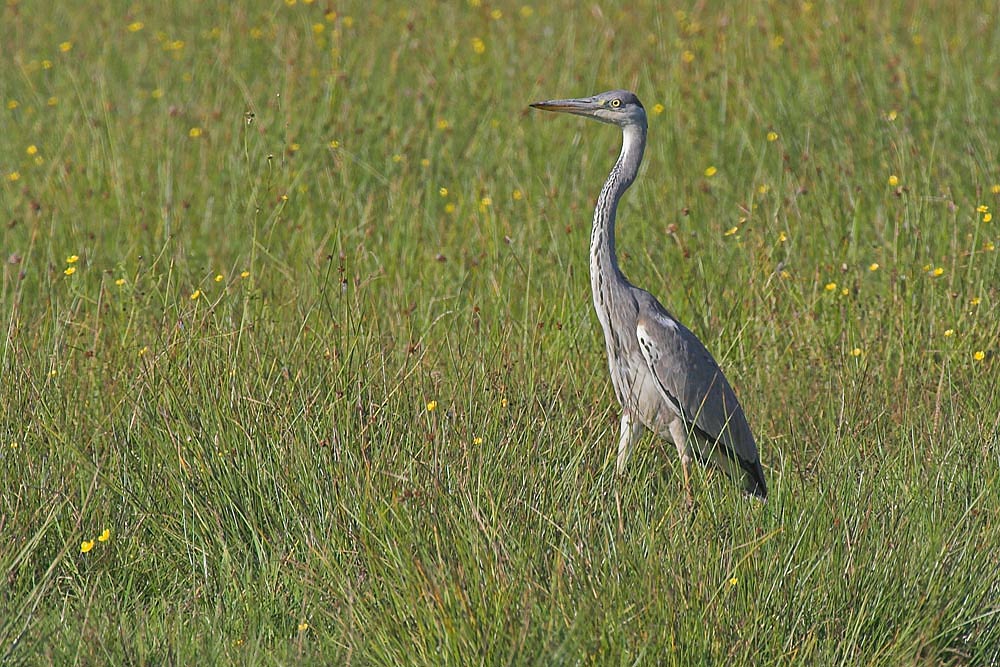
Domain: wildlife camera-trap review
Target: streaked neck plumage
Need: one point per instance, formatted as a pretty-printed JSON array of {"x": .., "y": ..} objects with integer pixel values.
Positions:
[{"x": 604, "y": 272}]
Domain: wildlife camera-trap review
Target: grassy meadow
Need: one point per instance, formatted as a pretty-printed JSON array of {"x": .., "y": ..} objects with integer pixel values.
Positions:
[{"x": 300, "y": 364}]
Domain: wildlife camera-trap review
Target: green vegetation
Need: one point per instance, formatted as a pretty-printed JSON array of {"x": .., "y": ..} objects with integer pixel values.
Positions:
[{"x": 297, "y": 319}]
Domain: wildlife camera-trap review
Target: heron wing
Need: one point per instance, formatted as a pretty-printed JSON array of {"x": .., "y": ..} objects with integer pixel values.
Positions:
[{"x": 689, "y": 378}]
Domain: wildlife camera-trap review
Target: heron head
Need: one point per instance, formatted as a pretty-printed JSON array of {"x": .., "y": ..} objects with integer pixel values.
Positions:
[{"x": 618, "y": 107}]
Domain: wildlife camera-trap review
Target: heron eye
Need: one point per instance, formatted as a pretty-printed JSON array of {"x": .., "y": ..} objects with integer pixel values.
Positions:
[{"x": 615, "y": 103}]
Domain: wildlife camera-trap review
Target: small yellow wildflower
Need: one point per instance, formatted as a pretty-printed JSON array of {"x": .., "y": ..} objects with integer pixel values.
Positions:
[
  {"x": 443, "y": 124},
  {"x": 194, "y": 132},
  {"x": 86, "y": 546},
  {"x": 485, "y": 203},
  {"x": 303, "y": 626},
  {"x": 449, "y": 207},
  {"x": 893, "y": 180},
  {"x": 988, "y": 246},
  {"x": 982, "y": 208},
  {"x": 53, "y": 373},
  {"x": 348, "y": 21},
  {"x": 69, "y": 270},
  {"x": 318, "y": 28},
  {"x": 218, "y": 278},
  {"x": 14, "y": 176},
  {"x": 526, "y": 11},
  {"x": 844, "y": 291},
  {"x": 711, "y": 171},
  {"x": 65, "y": 47},
  {"x": 105, "y": 536},
  {"x": 856, "y": 352},
  {"x": 245, "y": 275},
  {"x": 477, "y": 440},
  {"x": 974, "y": 301},
  {"x": 72, "y": 259},
  {"x": 432, "y": 406},
  {"x": 120, "y": 282},
  {"x": 995, "y": 189},
  {"x": 949, "y": 333},
  {"x": 874, "y": 266},
  {"x": 687, "y": 57},
  {"x": 156, "y": 93},
  {"x": 731, "y": 231},
  {"x": 772, "y": 136},
  {"x": 397, "y": 158},
  {"x": 136, "y": 26},
  {"x": 937, "y": 272},
  {"x": 782, "y": 237},
  {"x": 143, "y": 350},
  {"x": 31, "y": 150},
  {"x": 658, "y": 108},
  {"x": 979, "y": 355},
  {"x": 195, "y": 294},
  {"x": 987, "y": 217},
  {"x": 478, "y": 45},
  {"x": 334, "y": 143},
  {"x": 777, "y": 42},
  {"x": 831, "y": 286},
  {"x": 891, "y": 116},
  {"x": 424, "y": 162},
  {"x": 12, "y": 104},
  {"x": 503, "y": 402},
  {"x": 733, "y": 581},
  {"x": 496, "y": 15},
  {"x": 517, "y": 195},
  {"x": 443, "y": 191},
  {"x": 763, "y": 189}
]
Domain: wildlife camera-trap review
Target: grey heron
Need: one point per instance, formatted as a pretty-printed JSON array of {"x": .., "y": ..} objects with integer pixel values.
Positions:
[{"x": 663, "y": 376}]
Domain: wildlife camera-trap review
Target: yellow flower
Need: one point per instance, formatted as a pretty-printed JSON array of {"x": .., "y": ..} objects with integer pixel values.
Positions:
[
  {"x": 69, "y": 270},
  {"x": 136, "y": 26},
  {"x": 105, "y": 536},
  {"x": 218, "y": 277},
  {"x": 449, "y": 207},
  {"x": 195, "y": 294},
  {"x": 397, "y": 158},
  {"x": 477, "y": 440},
  {"x": 12, "y": 104},
  {"x": 424, "y": 162},
  {"x": 982, "y": 208},
  {"x": 443, "y": 124},
  {"x": 937, "y": 272},
  {"x": 949, "y": 332},
  {"x": 891, "y": 116},
  {"x": 503, "y": 403},
  {"x": 31, "y": 150},
  {"x": 432, "y": 406},
  {"x": 782, "y": 237},
  {"x": 731, "y": 231},
  {"x": 194, "y": 132},
  {"x": 66, "y": 47},
  {"x": 318, "y": 28},
  {"x": 974, "y": 301},
  {"x": 772, "y": 136},
  {"x": 478, "y": 45},
  {"x": 658, "y": 108},
  {"x": 988, "y": 246},
  {"x": 733, "y": 581},
  {"x": 86, "y": 546},
  {"x": 831, "y": 286},
  {"x": 526, "y": 11},
  {"x": 517, "y": 195},
  {"x": 711, "y": 171},
  {"x": 873, "y": 266},
  {"x": 687, "y": 57},
  {"x": 995, "y": 189},
  {"x": 120, "y": 282},
  {"x": 856, "y": 352},
  {"x": 72, "y": 259},
  {"x": 485, "y": 203},
  {"x": 987, "y": 217},
  {"x": 14, "y": 176},
  {"x": 143, "y": 350},
  {"x": 334, "y": 143},
  {"x": 245, "y": 275},
  {"x": 893, "y": 180},
  {"x": 496, "y": 15},
  {"x": 777, "y": 41},
  {"x": 979, "y": 355},
  {"x": 844, "y": 292},
  {"x": 443, "y": 191}
]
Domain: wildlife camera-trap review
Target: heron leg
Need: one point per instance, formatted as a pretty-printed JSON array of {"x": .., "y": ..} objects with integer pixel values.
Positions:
[
  {"x": 630, "y": 432},
  {"x": 680, "y": 436}
]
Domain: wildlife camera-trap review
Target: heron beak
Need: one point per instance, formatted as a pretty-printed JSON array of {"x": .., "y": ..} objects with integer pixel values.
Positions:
[{"x": 584, "y": 106}]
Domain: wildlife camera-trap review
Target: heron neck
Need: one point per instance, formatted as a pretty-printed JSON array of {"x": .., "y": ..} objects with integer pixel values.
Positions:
[{"x": 603, "y": 259}]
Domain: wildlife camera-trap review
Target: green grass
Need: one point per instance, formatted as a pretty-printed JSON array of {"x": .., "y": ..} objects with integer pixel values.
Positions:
[{"x": 235, "y": 380}]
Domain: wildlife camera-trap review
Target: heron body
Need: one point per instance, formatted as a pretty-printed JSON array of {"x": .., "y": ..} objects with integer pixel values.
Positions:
[{"x": 663, "y": 376}]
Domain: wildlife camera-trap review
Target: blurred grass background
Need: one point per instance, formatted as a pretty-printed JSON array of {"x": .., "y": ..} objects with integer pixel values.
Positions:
[{"x": 300, "y": 364}]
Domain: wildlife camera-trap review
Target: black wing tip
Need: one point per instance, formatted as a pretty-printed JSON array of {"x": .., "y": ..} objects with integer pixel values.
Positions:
[{"x": 755, "y": 484}]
